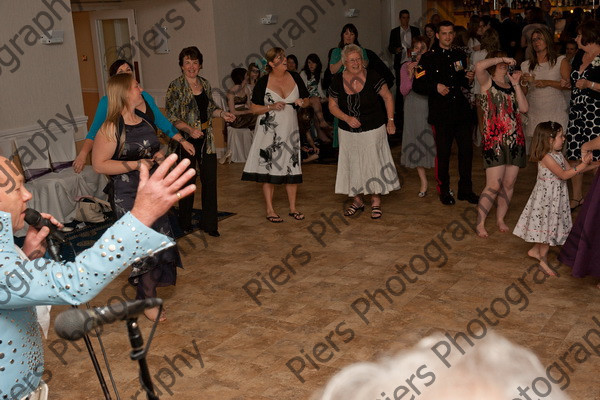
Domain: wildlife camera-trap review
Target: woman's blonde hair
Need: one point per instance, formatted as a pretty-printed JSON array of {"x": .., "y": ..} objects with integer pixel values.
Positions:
[
  {"x": 116, "y": 90},
  {"x": 540, "y": 144},
  {"x": 349, "y": 49},
  {"x": 272, "y": 55}
]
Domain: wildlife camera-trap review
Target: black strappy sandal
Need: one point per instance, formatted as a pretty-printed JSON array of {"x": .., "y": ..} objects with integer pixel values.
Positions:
[
  {"x": 376, "y": 212},
  {"x": 353, "y": 209},
  {"x": 298, "y": 216},
  {"x": 276, "y": 219}
]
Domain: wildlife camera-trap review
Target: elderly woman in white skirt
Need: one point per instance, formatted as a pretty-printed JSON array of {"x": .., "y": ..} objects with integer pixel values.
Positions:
[{"x": 365, "y": 163}]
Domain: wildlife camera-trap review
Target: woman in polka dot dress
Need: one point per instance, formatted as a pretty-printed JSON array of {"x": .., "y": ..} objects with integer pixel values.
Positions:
[
  {"x": 584, "y": 115},
  {"x": 546, "y": 218}
]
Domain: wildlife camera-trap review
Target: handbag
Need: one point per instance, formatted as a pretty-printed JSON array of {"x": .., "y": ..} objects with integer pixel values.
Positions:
[{"x": 92, "y": 209}]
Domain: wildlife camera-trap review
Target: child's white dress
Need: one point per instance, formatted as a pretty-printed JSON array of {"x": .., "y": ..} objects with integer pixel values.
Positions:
[{"x": 546, "y": 217}]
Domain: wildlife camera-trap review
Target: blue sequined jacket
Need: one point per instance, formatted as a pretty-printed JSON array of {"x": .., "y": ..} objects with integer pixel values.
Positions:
[{"x": 26, "y": 284}]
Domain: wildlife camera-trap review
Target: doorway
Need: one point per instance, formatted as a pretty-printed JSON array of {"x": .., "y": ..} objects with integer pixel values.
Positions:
[{"x": 114, "y": 33}]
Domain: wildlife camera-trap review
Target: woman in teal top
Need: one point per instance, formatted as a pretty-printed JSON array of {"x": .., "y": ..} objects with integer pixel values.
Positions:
[
  {"x": 150, "y": 109},
  {"x": 348, "y": 36}
]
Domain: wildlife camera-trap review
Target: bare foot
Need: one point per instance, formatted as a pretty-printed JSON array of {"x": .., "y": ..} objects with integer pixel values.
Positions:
[
  {"x": 502, "y": 226},
  {"x": 310, "y": 158},
  {"x": 543, "y": 266},
  {"x": 481, "y": 232},
  {"x": 534, "y": 253},
  {"x": 152, "y": 313}
]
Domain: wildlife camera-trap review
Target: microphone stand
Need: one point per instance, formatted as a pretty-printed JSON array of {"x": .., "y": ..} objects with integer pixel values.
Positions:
[
  {"x": 138, "y": 353},
  {"x": 53, "y": 249}
]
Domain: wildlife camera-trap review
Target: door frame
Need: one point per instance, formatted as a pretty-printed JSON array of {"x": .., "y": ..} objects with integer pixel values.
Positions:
[{"x": 96, "y": 18}]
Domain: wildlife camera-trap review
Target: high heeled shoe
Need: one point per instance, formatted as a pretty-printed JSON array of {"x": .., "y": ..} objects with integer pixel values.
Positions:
[{"x": 226, "y": 158}]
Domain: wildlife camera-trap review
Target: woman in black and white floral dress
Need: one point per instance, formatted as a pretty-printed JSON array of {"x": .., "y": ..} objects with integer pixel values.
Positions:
[
  {"x": 584, "y": 114},
  {"x": 274, "y": 157}
]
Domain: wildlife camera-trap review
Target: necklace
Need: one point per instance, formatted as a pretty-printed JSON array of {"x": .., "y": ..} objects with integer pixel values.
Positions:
[{"x": 195, "y": 84}]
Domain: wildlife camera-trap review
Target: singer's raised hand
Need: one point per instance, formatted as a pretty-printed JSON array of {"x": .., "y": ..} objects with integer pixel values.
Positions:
[
  {"x": 159, "y": 192},
  {"x": 35, "y": 239}
]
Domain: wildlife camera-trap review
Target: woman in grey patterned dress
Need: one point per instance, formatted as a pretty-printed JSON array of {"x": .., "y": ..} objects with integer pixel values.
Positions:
[{"x": 418, "y": 145}]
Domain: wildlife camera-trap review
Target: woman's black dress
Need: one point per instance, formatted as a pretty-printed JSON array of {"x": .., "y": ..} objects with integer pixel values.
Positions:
[{"x": 141, "y": 142}]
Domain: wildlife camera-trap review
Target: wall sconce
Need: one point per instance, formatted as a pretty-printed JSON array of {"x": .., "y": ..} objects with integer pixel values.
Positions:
[
  {"x": 269, "y": 19},
  {"x": 54, "y": 37},
  {"x": 162, "y": 45},
  {"x": 352, "y": 13}
]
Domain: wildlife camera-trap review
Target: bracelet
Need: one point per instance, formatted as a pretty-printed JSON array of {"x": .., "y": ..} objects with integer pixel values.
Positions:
[
  {"x": 221, "y": 114},
  {"x": 593, "y": 84},
  {"x": 575, "y": 169},
  {"x": 268, "y": 107},
  {"x": 390, "y": 119}
]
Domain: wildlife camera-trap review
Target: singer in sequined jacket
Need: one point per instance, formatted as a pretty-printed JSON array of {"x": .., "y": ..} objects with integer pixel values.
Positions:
[
  {"x": 21, "y": 349},
  {"x": 25, "y": 284}
]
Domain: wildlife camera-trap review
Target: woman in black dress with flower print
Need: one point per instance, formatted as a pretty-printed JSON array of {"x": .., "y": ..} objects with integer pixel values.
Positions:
[{"x": 274, "y": 157}]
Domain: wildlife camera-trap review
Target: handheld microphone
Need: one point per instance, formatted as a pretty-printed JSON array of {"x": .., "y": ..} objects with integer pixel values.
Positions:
[
  {"x": 35, "y": 219},
  {"x": 75, "y": 323}
]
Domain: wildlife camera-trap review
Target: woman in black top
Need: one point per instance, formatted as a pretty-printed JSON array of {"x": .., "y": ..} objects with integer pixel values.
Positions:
[
  {"x": 584, "y": 114},
  {"x": 365, "y": 163},
  {"x": 191, "y": 109}
]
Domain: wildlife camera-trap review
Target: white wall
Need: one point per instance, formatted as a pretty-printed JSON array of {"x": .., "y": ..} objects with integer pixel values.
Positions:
[
  {"x": 229, "y": 32},
  {"x": 311, "y": 26},
  {"x": 416, "y": 8},
  {"x": 226, "y": 32},
  {"x": 189, "y": 23},
  {"x": 47, "y": 78}
]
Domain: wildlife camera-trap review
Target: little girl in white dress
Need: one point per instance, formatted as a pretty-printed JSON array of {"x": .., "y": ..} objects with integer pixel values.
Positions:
[{"x": 546, "y": 218}]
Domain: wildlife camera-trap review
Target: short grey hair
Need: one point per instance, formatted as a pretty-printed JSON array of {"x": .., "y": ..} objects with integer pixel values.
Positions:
[
  {"x": 493, "y": 369},
  {"x": 349, "y": 49}
]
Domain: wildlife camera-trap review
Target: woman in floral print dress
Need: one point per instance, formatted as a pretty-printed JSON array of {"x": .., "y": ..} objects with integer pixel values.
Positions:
[
  {"x": 503, "y": 142},
  {"x": 274, "y": 156}
]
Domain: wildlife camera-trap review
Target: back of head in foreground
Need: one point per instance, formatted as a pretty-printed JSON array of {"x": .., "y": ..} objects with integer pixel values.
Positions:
[{"x": 494, "y": 369}]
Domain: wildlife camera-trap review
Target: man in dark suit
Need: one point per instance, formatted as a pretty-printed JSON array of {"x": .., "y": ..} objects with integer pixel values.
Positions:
[
  {"x": 400, "y": 41},
  {"x": 509, "y": 32},
  {"x": 442, "y": 77}
]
